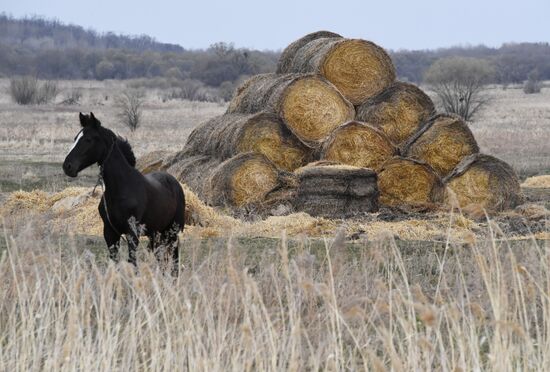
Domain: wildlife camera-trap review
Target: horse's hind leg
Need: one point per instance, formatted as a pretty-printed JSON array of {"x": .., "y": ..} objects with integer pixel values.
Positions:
[{"x": 170, "y": 242}]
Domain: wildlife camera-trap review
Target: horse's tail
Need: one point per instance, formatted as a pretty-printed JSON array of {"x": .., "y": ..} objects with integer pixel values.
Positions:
[{"x": 179, "y": 217}]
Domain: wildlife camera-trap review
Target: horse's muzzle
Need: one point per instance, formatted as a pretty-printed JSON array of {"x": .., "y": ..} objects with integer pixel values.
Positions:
[{"x": 69, "y": 169}]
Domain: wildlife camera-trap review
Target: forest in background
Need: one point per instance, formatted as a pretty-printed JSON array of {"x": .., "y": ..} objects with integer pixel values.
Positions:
[{"x": 50, "y": 49}]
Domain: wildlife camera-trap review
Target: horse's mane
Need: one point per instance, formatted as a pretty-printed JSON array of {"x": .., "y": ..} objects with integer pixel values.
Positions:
[{"x": 124, "y": 147}]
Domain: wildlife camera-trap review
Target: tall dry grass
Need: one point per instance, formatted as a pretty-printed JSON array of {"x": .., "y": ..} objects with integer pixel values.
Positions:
[{"x": 374, "y": 306}]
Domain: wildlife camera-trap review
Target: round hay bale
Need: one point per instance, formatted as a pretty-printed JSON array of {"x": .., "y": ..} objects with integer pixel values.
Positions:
[
  {"x": 153, "y": 161},
  {"x": 336, "y": 191},
  {"x": 405, "y": 181},
  {"x": 309, "y": 105},
  {"x": 242, "y": 180},
  {"x": 265, "y": 133},
  {"x": 399, "y": 110},
  {"x": 193, "y": 171},
  {"x": 359, "y": 69},
  {"x": 358, "y": 144},
  {"x": 442, "y": 143},
  {"x": 485, "y": 181}
]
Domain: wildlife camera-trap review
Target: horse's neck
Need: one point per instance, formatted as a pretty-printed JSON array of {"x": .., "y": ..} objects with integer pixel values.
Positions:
[{"x": 116, "y": 172}]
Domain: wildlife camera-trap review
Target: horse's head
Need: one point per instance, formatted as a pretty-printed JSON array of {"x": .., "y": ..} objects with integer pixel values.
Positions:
[{"x": 91, "y": 145}]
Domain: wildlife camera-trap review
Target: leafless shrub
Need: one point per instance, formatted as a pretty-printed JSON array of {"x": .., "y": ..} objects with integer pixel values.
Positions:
[
  {"x": 47, "y": 92},
  {"x": 459, "y": 83},
  {"x": 26, "y": 90},
  {"x": 532, "y": 85},
  {"x": 130, "y": 108}
]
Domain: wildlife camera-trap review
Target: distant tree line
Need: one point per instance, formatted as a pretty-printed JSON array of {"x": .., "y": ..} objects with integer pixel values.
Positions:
[
  {"x": 49, "y": 49},
  {"x": 512, "y": 62}
]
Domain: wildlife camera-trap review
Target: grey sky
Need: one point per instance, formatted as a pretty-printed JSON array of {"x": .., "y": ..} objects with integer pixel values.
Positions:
[{"x": 419, "y": 24}]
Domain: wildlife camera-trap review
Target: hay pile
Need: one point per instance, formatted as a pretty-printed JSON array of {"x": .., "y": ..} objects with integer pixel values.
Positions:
[
  {"x": 305, "y": 113},
  {"x": 359, "y": 69},
  {"x": 398, "y": 110},
  {"x": 309, "y": 105},
  {"x": 409, "y": 181},
  {"x": 203, "y": 221},
  {"x": 442, "y": 143},
  {"x": 485, "y": 181},
  {"x": 358, "y": 144},
  {"x": 339, "y": 191}
]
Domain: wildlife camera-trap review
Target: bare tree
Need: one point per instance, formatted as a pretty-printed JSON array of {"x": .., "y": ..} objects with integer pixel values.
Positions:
[
  {"x": 459, "y": 83},
  {"x": 130, "y": 112}
]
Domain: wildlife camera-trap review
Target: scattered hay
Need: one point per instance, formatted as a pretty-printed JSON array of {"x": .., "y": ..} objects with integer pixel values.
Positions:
[
  {"x": 399, "y": 110},
  {"x": 485, "y": 181},
  {"x": 206, "y": 221},
  {"x": 153, "y": 161},
  {"x": 310, "y": 106},
  {"x": 410, "y": 182},
  {"x": 242, "y": 180},
  {"x": 442, "y": 143},
  {"x": 336, "y": 191},
  {"x": 358, "y": 144},
  {"x": 359, "y": 69},
  {"x": 537, "y": 182},
  {"x": 264, "y": 133}
]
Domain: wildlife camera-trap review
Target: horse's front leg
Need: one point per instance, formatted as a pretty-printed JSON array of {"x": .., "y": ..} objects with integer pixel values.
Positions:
[
  {"x": 133, "y": 241},
  {"x": 112, "y": 239}
]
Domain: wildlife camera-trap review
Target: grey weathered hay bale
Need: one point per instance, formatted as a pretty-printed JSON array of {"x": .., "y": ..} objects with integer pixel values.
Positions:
[
  {"x": 442, "y": 143},
  {"x": 406, "y": 181},
  {"x": 358, "y": 144},
  {"x": 360, "y": 69},
  {"x": 193, "y": 171},
  {"x": 242, "y": 180},
  {"x": 265, "y": 133},
  {"x": 336, "y": 191},
  {"x": 287, "y": 56},
  {"x": 153, "y": 161},
  {"x": 399, "y": 110},
  {"x": 485, "y": 181},
  {"x": 309, "y": 105}
]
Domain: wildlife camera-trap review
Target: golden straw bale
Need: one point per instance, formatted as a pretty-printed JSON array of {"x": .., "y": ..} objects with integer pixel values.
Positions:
[
  {"x": 406, "y": 181},
  {"x": 399, "y": 110},
  {"x": 537, "y": 182},
  {"x": 242, "y": 180},
  {"x": 309, "y": 105},
  {"x": 227, "y": 135},
  {"x": 442, "y": 143},
  {"x": 485, "y": 181},
  {"x": 358, "y": 144},
  {"x": 359, "y": 69}
]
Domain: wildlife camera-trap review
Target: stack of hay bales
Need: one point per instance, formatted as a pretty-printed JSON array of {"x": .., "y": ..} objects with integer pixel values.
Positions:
[{"x": 336, "y": 100}]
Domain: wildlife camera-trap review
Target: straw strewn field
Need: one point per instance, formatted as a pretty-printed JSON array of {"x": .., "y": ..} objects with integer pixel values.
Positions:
[{"x": 398, "y": 290}]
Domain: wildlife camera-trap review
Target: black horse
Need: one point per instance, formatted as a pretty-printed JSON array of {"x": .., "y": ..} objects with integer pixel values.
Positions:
[{"x": 131, "y": 201}]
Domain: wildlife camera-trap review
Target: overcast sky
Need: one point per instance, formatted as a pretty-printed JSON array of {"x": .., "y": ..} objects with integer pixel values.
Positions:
[{"x": 414, "y": 24}]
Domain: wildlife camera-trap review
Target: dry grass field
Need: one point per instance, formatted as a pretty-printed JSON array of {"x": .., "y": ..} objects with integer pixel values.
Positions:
[{"x": 451, "y": 292}]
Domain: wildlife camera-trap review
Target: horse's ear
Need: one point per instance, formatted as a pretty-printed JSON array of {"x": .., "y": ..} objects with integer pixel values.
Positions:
[
  {"x": 82, "y": 119},
  {"x": 95, "y": 122}
]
